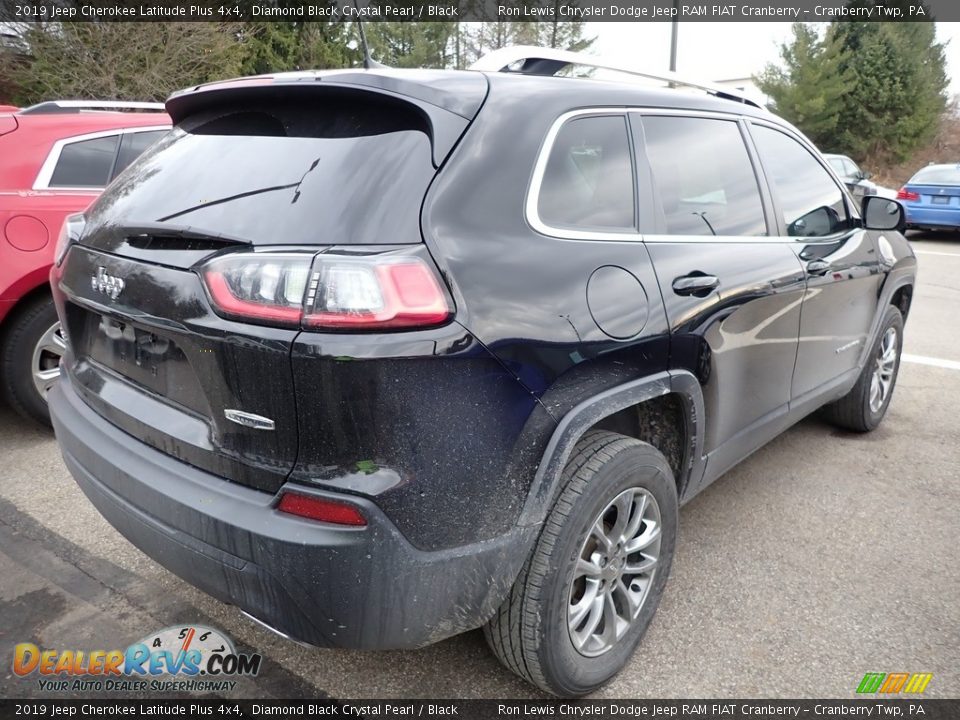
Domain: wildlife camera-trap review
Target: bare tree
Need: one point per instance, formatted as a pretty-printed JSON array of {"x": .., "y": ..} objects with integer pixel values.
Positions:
[{"x": 119, "y": 60}]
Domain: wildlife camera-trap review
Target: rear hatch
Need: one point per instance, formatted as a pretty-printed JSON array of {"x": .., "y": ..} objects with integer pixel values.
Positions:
[
  {"x": 945, "y": 197},
  {"x": 281, "y": 172},
  {"x": 936, "y": 187}
]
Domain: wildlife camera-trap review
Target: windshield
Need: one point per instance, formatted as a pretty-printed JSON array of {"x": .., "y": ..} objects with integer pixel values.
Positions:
[
  {"x": 943, "y": 175},
  {"x": 290, "y": 175}
]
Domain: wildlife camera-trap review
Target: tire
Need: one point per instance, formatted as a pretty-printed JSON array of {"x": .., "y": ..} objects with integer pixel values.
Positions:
[
  {"x": 31, "y": 342},
  {"x": 859, "y": 410},
  {"x": 530, "y": 633}
]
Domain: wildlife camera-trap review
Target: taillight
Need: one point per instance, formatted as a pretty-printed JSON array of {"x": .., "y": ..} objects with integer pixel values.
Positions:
[
  {"x": 266, "y": 288},
  {"x": 333, "y": 292},
  {"x": 321, "y": 509},
  {"x": 372, "y": 292},
  {"x": 904, "y": 194},
  {"x": 70, "y": 232}
]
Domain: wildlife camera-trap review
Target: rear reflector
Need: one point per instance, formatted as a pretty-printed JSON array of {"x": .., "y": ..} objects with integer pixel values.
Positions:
[{"x": 321, "y": 509}]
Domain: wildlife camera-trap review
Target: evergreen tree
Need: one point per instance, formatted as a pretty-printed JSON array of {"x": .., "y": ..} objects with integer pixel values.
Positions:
[
  {"x": 810, "y": 86},
  {"x": 870, "y": 90},
  {"x": 899, "y": 84},
  {"x": 411, "y": 44}
]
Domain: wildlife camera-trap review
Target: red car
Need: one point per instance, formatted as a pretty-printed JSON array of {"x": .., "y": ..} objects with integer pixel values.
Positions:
[{"x": 55, "y": 158}]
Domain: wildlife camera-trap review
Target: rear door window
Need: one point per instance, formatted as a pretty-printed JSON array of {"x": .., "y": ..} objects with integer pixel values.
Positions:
[
  {"x": 132, "y": 144},
  {"x": 811, "y": 202},
  {"x": 705, "y": 183},
  {"x": 85, "y": 163},
  {"x": 588, "y": 180}
]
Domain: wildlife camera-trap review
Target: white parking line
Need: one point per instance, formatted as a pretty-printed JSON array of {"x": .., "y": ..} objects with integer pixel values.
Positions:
[
  {"x": 934, "y": 252},
  {"x": 935, "y": 362}
]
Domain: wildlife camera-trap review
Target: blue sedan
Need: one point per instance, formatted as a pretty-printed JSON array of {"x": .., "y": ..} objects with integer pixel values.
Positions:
[{"x": 932, "y": 198}]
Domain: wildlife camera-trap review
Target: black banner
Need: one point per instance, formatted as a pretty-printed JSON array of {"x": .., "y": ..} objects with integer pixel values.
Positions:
[
  {"x": 485, "y": 709},
  {"x": 480, "y": 10}
]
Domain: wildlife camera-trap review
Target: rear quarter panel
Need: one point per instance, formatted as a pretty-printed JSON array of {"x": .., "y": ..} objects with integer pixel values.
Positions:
[{"x": 30, "y": 222}]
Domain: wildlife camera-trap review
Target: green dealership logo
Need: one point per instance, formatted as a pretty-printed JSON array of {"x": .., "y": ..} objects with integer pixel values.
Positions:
[{"x": 892, "y": 683}]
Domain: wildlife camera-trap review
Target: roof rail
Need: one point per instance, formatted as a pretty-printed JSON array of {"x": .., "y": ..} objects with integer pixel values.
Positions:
[
  {"x": 75, "y": 106},
  {"x": 549, "y": 61}
]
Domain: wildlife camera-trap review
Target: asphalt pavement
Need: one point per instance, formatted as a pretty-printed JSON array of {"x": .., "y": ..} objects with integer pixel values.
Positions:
[{"x": 824, "y": 556}]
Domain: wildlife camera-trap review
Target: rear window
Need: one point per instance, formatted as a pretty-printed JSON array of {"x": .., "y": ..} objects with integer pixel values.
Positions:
[
  {"x": 937, "y": 176},
  {"x": 321, "y": 172},
  {"x": 588, "y": 181}
]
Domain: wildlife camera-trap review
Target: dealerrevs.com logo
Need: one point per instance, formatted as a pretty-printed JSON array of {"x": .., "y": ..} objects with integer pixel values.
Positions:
[{"x": 189, "y": 658}]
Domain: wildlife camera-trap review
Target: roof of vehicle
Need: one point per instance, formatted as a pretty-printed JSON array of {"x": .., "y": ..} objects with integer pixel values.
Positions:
[
  {"x": 60, "y": 119},
  {"x": 941, "y": 166},
  {"x": 463, "y": 91}
]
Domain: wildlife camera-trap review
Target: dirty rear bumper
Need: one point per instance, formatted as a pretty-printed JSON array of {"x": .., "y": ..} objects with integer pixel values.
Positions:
[{"x": 317, "y": 583}]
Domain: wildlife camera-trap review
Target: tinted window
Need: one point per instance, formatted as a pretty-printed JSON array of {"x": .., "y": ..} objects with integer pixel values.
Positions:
[
  {"x": 338, "y": 168},
  {"x": 588, "y": 182},
  {"x": 85, "y": 163},
  {"x": 811, "y": 201},
  {"x": 938, "y": 176},
  {"x": 703, "y": 176},
  {"x": 132, "y": 144}
]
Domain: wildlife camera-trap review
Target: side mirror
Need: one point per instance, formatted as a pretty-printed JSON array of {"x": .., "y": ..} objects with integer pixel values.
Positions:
[
  {"x": 817, "y": 223},
  {"x": 880, "y": 213}
]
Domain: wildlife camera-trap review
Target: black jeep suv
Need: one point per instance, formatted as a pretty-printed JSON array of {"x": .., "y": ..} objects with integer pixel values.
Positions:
[{"x": 381, "y": 357}]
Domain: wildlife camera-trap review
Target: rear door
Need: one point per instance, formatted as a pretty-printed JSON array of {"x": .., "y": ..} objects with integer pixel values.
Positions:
[
  {"x": 731, "y": 287},
  {"x": 840, "y": 259}
]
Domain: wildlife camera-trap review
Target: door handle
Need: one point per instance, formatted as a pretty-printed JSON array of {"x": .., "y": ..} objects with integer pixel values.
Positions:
[
  {"x": 696, "y": 283},
  {"x": 818, "y": 267}
]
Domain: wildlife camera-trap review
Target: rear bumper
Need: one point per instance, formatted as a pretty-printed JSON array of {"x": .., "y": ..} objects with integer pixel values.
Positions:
[
  {"x": 932, "y": 217},
  {"x": 321, "y": 584}
]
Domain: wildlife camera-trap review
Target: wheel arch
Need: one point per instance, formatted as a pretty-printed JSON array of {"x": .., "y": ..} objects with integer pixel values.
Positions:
[
  {"x": 902, "y": 298},
  {"x": 665, "y": 409},
  {"x": 17, "y": 306}
]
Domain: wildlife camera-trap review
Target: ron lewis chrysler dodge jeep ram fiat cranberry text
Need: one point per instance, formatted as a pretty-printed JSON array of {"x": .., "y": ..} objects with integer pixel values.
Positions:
[{"x": 380, "y": 356}]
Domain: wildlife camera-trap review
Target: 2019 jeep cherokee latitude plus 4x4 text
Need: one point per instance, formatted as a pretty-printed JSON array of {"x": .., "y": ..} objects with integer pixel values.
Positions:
[{"x": 380, "y": 357}]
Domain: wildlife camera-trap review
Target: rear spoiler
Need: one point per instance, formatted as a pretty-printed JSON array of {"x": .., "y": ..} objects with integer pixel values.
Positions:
[{"x": 446, "y": 124}]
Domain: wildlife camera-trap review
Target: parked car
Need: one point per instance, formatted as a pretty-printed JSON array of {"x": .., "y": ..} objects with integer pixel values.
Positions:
[
  {"x": 857, "y": 181},
  {"x": 384, "y": 356},
  {"x": 932, "y": 198},
  {"x": 56, "y": 158}
]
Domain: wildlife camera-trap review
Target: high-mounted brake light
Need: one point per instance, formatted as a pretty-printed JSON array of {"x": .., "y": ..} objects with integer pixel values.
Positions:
[
  {"x": 334, "y": 292},
  {"x": 315, "y": 508},
  {"x": 904, "y": 194}
]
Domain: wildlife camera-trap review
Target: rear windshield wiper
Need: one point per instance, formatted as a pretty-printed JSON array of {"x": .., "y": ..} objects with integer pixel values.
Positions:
[{"x": 230, "y": 198}]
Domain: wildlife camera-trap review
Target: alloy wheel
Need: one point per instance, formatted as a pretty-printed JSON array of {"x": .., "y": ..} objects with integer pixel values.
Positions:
[
  {"x": 615, "y": 569},
  {"x": 45, "y": 363},
  {"x": 881, "y": 382}
]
